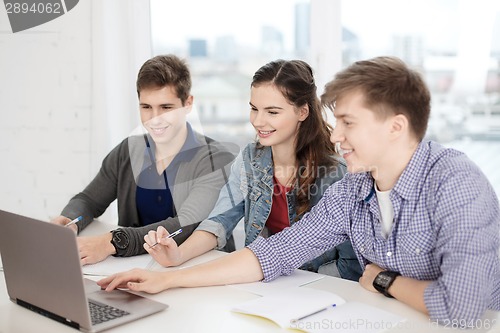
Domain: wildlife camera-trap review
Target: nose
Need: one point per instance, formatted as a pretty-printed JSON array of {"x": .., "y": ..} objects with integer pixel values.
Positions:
[
  {"x": 337, "y": 135},
  {"x": 156, "y": 116},
  {"x": 257, "y": 118},
  {"x": 156, "y": 113}
]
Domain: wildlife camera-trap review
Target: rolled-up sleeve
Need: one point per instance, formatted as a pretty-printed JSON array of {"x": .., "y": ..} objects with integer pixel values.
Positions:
[
  {"x": 229, "y": 208},
  {"x": 215, "y": 228}
]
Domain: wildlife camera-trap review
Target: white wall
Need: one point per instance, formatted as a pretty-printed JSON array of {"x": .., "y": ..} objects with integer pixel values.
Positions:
[{"x": 67, "y": 96}]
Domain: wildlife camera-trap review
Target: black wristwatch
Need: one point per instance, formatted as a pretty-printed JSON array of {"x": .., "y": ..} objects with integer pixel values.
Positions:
[
  {"x": 383, "y": 281},
  {"x": 120, "y": 241}
]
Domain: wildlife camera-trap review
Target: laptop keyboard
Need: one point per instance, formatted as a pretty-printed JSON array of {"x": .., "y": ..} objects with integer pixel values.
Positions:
[{"x": 100, "y": 313}]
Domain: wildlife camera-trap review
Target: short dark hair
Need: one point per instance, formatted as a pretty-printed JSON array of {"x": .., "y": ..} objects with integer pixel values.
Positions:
[
  {"x": 387, "y": 84},
  {"x": 165, "y": 70}
]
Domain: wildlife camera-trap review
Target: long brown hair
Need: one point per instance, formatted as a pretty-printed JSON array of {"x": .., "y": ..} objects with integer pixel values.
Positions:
[{"x": 313, "y": 150}]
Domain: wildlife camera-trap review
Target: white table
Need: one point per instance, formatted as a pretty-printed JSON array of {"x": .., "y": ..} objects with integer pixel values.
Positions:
[{"x": 207, "y": 309}]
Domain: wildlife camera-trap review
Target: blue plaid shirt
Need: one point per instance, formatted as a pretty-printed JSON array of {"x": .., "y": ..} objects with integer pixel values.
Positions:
[{"x": 446, "y": 230}]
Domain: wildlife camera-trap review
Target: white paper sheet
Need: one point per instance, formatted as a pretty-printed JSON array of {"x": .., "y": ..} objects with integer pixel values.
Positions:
[
  {"x": 351, "y": 317},
  {"x": 296, "y": 279},
  {"x": 286, "y": 306},
  {"x": 318, "y": 311},
  {"x": 112, "y": 265}
]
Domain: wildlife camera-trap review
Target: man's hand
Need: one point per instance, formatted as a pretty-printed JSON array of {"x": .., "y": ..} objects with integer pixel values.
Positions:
[
  {"x": 96, "y": 248},
  {"x": 370, "y": 273},
  {"x": 407, "y": 290},
  {"x": 63, "y": 220}
]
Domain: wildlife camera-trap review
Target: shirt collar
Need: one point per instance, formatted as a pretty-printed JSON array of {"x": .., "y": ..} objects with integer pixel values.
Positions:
[
  {"x": 263, "y": 159},
  {"x": 190, "y": 146},
  {"x": 407, "y": 184},
  {"x": 187, "y": 151},
  {"x": 366, "y": 190}
]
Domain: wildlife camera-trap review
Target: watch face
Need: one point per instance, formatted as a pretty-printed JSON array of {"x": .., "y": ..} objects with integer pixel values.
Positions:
[
  {"x": 383, "y": 280},
  {"x": 120, "y": 240}
]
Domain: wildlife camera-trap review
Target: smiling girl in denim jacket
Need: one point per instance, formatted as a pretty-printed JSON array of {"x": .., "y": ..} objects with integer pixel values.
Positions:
[{"x": 277, "y": 179}]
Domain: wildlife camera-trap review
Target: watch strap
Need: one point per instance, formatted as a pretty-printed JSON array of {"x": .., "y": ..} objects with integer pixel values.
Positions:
[
  {"x": 389, "y": 277},
  {"x": 120, "y": 241}
]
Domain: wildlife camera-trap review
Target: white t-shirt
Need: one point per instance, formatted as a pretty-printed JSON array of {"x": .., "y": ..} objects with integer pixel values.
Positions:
[{"x": 386, "y": 210}]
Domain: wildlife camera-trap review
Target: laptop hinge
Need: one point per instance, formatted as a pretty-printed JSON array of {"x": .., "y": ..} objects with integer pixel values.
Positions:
[{"x": 48, "y": 314}]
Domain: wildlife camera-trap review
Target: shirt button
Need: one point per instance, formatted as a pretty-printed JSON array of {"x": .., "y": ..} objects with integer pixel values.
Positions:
[
  {"x": 417, "y": 250},
  {"x": 389, "y": 253},
  {"x": 361, "y": 249}
]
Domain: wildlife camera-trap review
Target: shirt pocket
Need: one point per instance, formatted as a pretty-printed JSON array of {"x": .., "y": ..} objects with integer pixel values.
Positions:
[
  {"x": 416, "y": 250},
  {"x": 254, "y": 195}
]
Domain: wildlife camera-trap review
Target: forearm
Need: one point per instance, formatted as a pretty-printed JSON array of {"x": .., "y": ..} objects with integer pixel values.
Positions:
[
  {"x": 407, "y": 290},
  {"x": 79, "y": 206},
  {"x": 136, "y": 235},
  {"x": 198, "y": 243},
  {"x": 238, "y": 267},
  {"x": 93, "y": 201},
  {"x": 410, "y": 292}
]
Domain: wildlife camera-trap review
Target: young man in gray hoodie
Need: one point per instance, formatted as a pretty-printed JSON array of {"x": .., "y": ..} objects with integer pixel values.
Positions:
[{"x": 169, "y": 176}]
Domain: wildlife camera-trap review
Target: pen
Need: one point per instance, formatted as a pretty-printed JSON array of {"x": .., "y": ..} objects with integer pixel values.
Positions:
[
  {"x": 313, "y": 313},
  {"x": 175, "y": 233},
  {"x": 78, "y": 219}
]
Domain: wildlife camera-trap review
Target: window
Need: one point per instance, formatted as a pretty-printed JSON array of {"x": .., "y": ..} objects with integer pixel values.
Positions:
[{"x": 452, "y": 42}]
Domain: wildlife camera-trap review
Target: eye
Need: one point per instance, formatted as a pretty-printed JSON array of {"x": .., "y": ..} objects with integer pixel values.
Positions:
[
  {"x": 273, "y": 112},
  {"x": 253, "y": 109},
  {"x": 145, "y": 107}
]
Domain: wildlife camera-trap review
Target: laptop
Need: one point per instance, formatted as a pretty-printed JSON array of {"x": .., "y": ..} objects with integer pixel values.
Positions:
[{"x": 42, "y": 273}]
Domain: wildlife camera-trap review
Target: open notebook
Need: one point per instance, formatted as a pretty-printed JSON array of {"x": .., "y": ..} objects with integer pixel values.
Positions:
[{"x": 315, "y": 311}]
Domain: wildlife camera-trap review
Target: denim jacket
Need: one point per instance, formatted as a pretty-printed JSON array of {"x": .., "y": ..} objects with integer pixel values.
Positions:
[{"x": 248, "y": 195}]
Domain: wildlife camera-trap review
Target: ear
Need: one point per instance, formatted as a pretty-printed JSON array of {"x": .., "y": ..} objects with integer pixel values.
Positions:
[
  {"x": 399, "y": 125},
  {"x": 189, "y": 103},
  {"x": 303, "y": 112}
]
